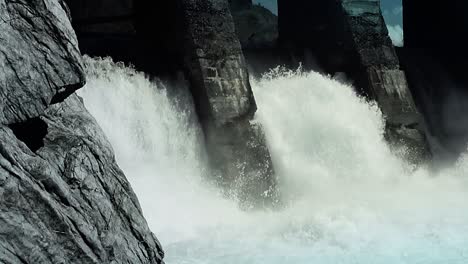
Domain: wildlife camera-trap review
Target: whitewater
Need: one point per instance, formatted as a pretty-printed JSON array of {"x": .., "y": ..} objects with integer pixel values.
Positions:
[{"x": 349, "y": 197}]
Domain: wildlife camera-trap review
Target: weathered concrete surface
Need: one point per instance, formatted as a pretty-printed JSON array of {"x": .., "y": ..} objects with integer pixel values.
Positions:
[
  {"x": 219, "y": 79},
  {"x": 350, "y": 36},
  {"x": 39, "y": 58},
  {"x": 386, "y": 83},
  {"x": 63, "y": 198}
]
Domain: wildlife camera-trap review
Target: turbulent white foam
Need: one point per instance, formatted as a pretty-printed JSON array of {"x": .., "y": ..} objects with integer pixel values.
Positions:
[{"x": 349, "y": 199}]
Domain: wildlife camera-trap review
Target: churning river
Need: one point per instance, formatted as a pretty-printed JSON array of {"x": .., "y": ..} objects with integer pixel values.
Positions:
[{"x": 348, "y": 196}]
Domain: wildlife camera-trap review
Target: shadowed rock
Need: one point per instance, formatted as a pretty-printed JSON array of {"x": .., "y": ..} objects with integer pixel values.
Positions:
[
  {"x": 39, "y": 58},
  {"x": 63, "y": 197},
  {"x": 69, "y": 202}
]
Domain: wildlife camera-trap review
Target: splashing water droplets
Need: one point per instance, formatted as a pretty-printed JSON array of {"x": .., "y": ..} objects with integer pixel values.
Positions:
[{"x": 348, "y": 198}]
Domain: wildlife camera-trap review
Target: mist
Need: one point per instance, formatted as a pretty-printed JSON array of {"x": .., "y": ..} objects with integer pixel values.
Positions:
[{"x": 346, "y": 195}]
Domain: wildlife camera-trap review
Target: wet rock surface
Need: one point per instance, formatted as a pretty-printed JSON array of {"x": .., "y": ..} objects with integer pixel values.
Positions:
[{"x": 69, "y": 202}]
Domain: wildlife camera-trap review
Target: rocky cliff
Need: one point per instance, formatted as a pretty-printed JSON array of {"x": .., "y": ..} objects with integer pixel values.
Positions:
[{"x": 63, "y": 197}]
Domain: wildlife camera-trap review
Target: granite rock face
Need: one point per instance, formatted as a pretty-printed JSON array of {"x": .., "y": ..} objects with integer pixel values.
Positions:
[
  {"x": 63, "y": 197},
  {"x": 350, "y": 36},
  {"x": 219, "y": 80},
  {"x": 39, "y": 57},
  {"x": 69, "y": 202}
]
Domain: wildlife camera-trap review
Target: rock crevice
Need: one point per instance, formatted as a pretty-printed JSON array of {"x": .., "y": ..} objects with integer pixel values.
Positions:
[{"x": 63, "y": 197}]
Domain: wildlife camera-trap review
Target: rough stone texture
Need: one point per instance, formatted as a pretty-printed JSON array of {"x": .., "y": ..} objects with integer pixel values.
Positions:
[
  {"x": 225, "y": 104},
  {"x": 69, "y": 202},
  {"x": 39, "y": 58},
  {"x": 63, "y": 197},
  {"x": 350, "y": 36}
]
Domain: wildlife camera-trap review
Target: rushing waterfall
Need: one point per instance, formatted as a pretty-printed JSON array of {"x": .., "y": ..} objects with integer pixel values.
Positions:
[{"x": 348, "y": 197}]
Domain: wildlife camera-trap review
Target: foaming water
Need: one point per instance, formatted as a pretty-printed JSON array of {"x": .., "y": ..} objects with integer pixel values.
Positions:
[{"x": 348, "y": 198}]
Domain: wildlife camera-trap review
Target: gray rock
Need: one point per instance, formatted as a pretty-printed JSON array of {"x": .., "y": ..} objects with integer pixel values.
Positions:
[
  {"x": 39, "y": 57},
  {"x": 63, "y": 199},
  {"x": 69, "y": 202}
]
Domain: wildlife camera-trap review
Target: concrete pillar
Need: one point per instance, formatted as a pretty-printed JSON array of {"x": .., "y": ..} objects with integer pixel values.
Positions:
[
  {"x": 351, "y": 36},
  {"x": 220, "y": 84}
]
